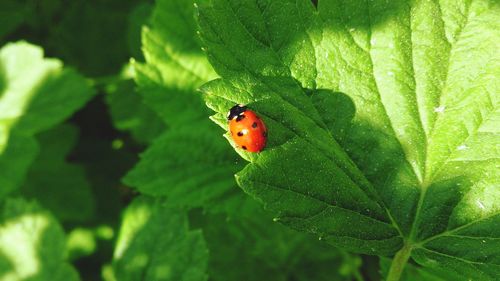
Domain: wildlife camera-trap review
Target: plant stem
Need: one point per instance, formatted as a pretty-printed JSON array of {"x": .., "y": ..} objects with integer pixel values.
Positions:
[{"x": 398, "y": 263}]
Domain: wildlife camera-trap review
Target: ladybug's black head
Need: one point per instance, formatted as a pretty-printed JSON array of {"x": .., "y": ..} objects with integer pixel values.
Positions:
[{"x": 235, "y": 111}]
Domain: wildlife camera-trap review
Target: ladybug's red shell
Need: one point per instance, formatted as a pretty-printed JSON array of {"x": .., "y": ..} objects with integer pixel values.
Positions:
[{"x": 247, "y": 129}]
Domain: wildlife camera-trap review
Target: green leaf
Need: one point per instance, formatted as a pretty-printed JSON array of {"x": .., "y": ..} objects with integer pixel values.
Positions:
[
  {"x": 137, "y": 18},
  {"x": 155, "y": 244},
  {"x": 188, "y": 163},
  {"x": 170, "y": 46},
  {"x": 32, "y": 244},
  {"x": 129, "y": 113},
  {"x": 59, "y": 186},
  {"x": 36, "y": 94},
  {"x": 415, "y": 273},
  {"x": 255, "y": 248},
  {"x": 382, "y": 117},
  {"x": 15, "y": 162},
  {"x": 187, "y": 166}
]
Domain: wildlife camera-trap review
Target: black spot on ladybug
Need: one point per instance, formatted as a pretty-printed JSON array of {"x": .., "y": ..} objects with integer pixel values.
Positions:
[
  {"x": 235, "y": 111},
  {"x": 254, "y": 125},
  {"x": 264, "y": 134},
  {"x": 244, "y": 147},
  {"x": 240, "y": 134},
  {"x": 240, "y": 117}
]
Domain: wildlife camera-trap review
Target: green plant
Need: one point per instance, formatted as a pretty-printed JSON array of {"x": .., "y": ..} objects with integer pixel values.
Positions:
[
  {"x": 382, "y": 157},
  {"x": 383, "y": 120}
]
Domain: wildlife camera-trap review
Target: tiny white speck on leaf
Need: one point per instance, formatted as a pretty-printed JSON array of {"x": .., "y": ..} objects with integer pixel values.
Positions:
[
  {"x": 481, "y": 205},
  {"x": 462, "y": 147},
  {"x": 439, "y": 109},
  {"x": 390, "y": 73}
]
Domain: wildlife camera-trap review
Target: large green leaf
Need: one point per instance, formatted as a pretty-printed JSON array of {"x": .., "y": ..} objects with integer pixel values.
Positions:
[
  {"x": 188, "y": 163},
  {"x": 32, "y": 244},
  {"x": 190, "y": 166},
  {"x": 155, "y": 244},
  {"x": 383, "y": 121},
  {"x": 36, "y": 94}
]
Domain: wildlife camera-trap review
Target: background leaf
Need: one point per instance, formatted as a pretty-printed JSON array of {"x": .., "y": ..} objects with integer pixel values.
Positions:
[
  {"x": 254, "y": 248},
  {"x": 188, "y": 162},
  {"x": 129, "y": 113},
  {"x": 180, "y": 254},
  {"x": 32, "y": 244},
  {"x": 37, "y": 94}
]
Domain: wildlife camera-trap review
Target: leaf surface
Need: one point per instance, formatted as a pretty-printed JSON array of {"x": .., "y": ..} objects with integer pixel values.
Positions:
[
  {"x": 383, "y": 120},
  {"x": 129, "y": 113},
  {"x": 38, "y": 252},
  {"x": 188, "y": 163},
  {"x": 155, "y": 244},
  {"x": 36, "y": 93},
  {"x": 255, "y": 248}
]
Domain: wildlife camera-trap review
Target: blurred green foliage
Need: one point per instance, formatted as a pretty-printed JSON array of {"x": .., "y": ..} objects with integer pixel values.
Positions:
[{"x": 110, "y": 168}]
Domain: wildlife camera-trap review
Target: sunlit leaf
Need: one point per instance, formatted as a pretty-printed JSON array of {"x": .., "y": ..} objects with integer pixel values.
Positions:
[
  {"x": 36, "y": 94},
  {"x": 188, "y": 163},
  {"x": 382, "y": 117},
  {"x": 32, "y": 244},
  {"x": 155, "y": 244}
]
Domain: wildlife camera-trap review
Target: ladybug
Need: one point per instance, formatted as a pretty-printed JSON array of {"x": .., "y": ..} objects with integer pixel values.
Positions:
[{"x": 247, "y": 129}]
